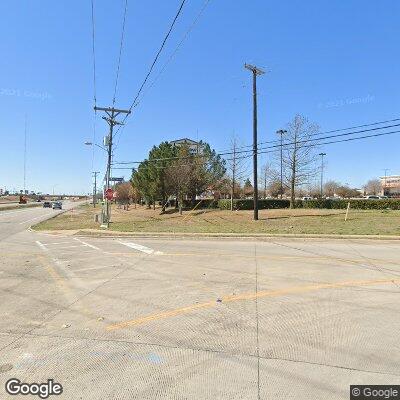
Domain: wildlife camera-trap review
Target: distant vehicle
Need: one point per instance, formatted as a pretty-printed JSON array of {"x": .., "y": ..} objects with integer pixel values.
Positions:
[
  {"x": 372, "y": 197},
  {"x": 46, "y": 204},
  {"x": 306, "y": 198},
  {"x": 383, "y": 197},
  {"x": 57, "y": 205},
  {"x": 22, "y": 200}
]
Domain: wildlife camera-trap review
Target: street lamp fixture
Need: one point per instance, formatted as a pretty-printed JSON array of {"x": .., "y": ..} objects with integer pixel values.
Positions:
[{"x": 95, "y": 144}]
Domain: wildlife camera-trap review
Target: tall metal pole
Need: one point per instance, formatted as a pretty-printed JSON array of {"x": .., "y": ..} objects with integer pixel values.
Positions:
[
  {"x": 322, "y": 171},
  {"x": 256, "y": 71},
  {"x": 281, "y": 132},
  {"x": 384, "y": 187},
  {"x": 95, "y": 188},
  {"x": 25, "y": 154},
  {"x": 112, "y": 113}
]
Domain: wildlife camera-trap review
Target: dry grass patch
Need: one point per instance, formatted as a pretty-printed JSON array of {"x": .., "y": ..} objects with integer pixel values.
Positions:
[{"x": 297, "y": 221}]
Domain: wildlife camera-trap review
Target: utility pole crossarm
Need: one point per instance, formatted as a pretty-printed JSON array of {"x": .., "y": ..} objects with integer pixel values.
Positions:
[
  {"x": 254, "y": 69},
  {"x": 111, "y": 110}
]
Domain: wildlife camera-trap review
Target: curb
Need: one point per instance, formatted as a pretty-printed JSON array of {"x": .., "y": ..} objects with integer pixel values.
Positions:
[{"x": 187, "y": 235}]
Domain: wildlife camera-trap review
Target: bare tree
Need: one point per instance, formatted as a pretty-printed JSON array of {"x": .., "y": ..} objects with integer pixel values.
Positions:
[
  {"x": 299, "y": 154},
  {"x": 373, "y": 186},
  {"x": 267, "y": 175},
  {"x": 236, "y": 168},
  {"x": 331, "y": 187}
]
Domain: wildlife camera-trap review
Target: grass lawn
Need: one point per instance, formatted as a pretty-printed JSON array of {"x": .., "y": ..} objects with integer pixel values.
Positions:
[{"x": 298, "y": 221}]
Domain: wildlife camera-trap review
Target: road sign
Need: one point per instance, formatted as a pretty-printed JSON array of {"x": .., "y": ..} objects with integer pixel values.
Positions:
[{"x": 109, "y": 194}]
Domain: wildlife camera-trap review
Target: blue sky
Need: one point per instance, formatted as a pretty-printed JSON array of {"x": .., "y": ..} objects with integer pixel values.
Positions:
[{"x": 335, "y": 62}]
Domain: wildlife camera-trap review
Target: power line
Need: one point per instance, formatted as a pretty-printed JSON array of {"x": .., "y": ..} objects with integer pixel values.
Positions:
[
  {"x": 93, "y": 54},
  {"x": 94, "y": 81},
  {"x": 120, "y": 51},
  {"x": 272, "y": 149},
  {"x": 173, "y": 54},
  {"x": 314, "y": 140},
  {"x": 155, "y": 60},
  {"x": 323, "y": 133},
  {"x": 158, "y": 54}
]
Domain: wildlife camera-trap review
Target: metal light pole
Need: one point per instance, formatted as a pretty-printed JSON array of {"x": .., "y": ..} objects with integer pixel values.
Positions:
[
  {"x": 384, "y": 187},
  {"x": 322, "y": 171},
  {"x": 95, "y": 188},
  {"x": 281, "y": 132},
  {"x": 256, "y": 71}
]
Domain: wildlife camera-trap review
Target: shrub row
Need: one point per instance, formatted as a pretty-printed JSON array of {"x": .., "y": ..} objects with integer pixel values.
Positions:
[
  {"x": 205, "y": 203},
  {"x": 359, "y": 204},
  {"x": 247, "y": 204}
]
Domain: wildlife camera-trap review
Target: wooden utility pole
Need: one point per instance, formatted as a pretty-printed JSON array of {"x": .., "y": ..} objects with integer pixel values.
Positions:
[
  {"x": 256, "y": 71},
  {"x": 112, "y": 113}
]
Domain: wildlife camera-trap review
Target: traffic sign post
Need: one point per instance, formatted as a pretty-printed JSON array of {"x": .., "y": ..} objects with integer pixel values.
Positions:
[{"x": 109, "y": 194}]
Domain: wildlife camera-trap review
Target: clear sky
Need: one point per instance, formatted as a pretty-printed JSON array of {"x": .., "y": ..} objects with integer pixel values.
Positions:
[{"x": 336, "y": 62}]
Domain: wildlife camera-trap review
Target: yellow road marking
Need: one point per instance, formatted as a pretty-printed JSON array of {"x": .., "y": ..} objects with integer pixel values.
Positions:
[{"x": 246, "y": 296}]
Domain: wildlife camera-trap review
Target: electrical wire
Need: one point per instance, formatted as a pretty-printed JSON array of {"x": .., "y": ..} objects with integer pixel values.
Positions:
[
  {"x": 154, "y": 62},
  {"x": 120, "y": 51},
  {"x": 321, "y": 133},
  {"x": 269, "y": 150}
]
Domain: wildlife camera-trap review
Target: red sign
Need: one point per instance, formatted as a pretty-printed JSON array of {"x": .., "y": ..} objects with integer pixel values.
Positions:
[{"x": 109, "y": 194}]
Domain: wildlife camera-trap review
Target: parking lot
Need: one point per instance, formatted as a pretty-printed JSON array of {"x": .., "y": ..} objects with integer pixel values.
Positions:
[{"x": 212, "y": 318}]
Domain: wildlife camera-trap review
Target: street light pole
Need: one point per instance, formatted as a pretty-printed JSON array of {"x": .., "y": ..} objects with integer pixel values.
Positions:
[
  {"x": 384, "y": 187},
  {"x": 322, "y": 171},
  {"x": 95, "y": 188},
  {"x": 281, "y": 132},
  {"x": 256, "y": 71}
]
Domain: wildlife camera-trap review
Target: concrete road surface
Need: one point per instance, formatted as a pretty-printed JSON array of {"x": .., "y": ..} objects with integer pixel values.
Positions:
[{"x": 196, "y": 319}]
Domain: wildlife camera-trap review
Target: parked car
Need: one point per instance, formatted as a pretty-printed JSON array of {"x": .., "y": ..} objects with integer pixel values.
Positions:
[
  {"x": 372, "y": 197},
  {"x": 305, "y": 198},
  {"x": 46, "y": 204},
  {"x": 57, "y": 205}
]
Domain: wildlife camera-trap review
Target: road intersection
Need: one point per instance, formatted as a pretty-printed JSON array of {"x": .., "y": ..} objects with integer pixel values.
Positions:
[{"x": 149, "y": 318}]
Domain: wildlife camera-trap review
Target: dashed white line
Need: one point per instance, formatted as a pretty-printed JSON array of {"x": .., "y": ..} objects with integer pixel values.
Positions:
[
  {"x": 139, "y": 247},
  {"x": 41, "y": 245},
  {"x": 87, "y": 244}
]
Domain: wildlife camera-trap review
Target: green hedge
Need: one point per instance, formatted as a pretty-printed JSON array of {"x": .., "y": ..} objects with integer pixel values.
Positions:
[
  {"x": 205, "y": 203},
  {"x": 359, "y": 204},
  {"x": 247, "y": 204}
]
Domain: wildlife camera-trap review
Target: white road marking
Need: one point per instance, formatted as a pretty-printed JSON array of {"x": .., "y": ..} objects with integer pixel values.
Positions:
[
  {"x": 93, "y": 268},
  {"x": 141, "y": 248},
  {"x": 55, "y": 243},
  {"x": 41, "y": 245},
  {"x": 87, "y": 244}
]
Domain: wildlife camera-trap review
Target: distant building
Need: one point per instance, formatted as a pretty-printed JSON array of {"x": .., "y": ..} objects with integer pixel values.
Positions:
[
  {"x": 390, "y": 185},
  {"x": 194, "y": 147}
]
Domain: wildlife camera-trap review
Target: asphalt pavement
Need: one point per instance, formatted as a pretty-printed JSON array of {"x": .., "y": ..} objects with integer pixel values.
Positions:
[{"x": 143, "y": 318}]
